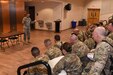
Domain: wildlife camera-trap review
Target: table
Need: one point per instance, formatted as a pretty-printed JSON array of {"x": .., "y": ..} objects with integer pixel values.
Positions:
[{"x": 8, "y": 35}]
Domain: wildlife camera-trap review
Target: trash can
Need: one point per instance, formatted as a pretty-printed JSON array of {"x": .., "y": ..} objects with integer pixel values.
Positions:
[
  {"x": 84, "y": 23},
  {"x": 73, "y": 23}
]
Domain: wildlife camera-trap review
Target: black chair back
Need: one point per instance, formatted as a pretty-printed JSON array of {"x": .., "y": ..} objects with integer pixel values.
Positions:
[{"x": 34, "y": 64}]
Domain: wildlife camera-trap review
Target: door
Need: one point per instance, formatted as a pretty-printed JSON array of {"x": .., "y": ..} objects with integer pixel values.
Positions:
[
  {"x": 93, "y": 16},
  {"x": 32, "y": 16}
]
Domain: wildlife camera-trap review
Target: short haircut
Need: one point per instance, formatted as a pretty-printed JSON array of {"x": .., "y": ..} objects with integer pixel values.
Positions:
[
  {"x": 67, "y": 47},
  {"x": 73, "y": 34},
  {"x": 100, "y": 30},
  {"x": 47, "y": 42},
  {"x": 35, "y": 51},
  {"x": 57, "y": 37}
]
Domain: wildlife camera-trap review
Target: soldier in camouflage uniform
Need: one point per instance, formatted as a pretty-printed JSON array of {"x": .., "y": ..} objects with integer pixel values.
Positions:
[
  {"x": 89, "y": 31},
  {"x": 58, "y": 43},
  {"x": 51, "y": 51},
  {"x": 26, "y": 22},
  {"x": 101, "y": 53},
  {"x": 110, "y": 28},
  {"x": 70, "y": 62},
  {"x": 26, "y": 28},
  {"x": 90, "y": 43},
  {"x": 40, "y": 69},
  {"x": 80, "y": 49},
  {"x": 80, "y": 34},
  {"x": 109, "y": 62}
]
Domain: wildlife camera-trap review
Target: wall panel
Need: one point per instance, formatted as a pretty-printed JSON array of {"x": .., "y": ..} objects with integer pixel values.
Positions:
[
  {"x": 5, "y": 14},
  {"x": 19, "y": 14},
  {"x": 12, "y": 13},
  {"x": 1, "y": 21}
]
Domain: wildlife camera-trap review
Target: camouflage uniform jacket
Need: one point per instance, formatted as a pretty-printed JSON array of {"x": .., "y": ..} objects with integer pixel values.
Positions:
[
  {"x": 53, "y": 52},
  {"x": 58, "y": 44},
  {"x": 88, "y": 33},
  {"x": 26, "y": 21},
  {"x": 70, "y": 63},
  {"x": 80, "y": 49},
  {"x": 90, "y": 43},
  {"x": 108, "y": 63},
  {"x": 41, "y": 69},
  {"x": 111, "y": 35},
  {"x": 100, "y": 58},
  {"x": 81, "y": 36}
]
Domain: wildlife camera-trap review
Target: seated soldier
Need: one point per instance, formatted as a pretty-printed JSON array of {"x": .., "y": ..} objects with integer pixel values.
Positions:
[
  {"x": 70, "y": 63},
  {"x": 58, "y": 43},
  {"x": 80, "y": 34},
  {"x": 90, "y": 43},
  {"x": 80, "y": 49},
  {"x": 100, "y": 56},
  {"x": 39, "y": 69},
  {"x": 89, "y": 31},
  {"x": 110, "y": 28},
  {"x": 51, "y": 51}
]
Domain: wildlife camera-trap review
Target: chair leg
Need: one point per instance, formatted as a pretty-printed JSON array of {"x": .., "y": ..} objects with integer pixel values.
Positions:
[
  {"x": 2, "y": 48},
  {"x": 11, "y": 42},
  {"x": 17, "y": 40},
  {"x": 7, "y": 44}
]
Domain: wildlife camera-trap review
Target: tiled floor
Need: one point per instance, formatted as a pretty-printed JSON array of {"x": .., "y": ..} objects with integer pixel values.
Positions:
[{"x": 20, "y": 54}]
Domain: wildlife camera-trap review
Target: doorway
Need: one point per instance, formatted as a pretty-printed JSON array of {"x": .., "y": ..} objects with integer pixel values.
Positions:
[
  {"x": 32, "y": 15},
  {"x": 93, "y": 16}
]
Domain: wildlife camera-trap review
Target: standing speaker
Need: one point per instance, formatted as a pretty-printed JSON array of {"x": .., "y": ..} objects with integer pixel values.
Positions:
[{"x": 67, "y": 6}]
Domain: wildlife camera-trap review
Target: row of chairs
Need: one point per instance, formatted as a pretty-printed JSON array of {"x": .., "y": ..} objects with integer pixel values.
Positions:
[
  {"x": 10, "y": 41},
  {"x": 5, "y": 41}
]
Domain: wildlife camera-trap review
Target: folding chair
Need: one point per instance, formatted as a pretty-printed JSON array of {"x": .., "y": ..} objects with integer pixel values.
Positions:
[
  {"x": 34, "y": 64},
  {"x": 14, "y": 39},
  {"x": 3, "y": 41}
]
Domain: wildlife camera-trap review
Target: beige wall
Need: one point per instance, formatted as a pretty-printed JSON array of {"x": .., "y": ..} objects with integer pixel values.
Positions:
[
  {"x": 91, "y": 4},
  {"x": 51, "y": 11},
  {"x": 105, "y": 6},
  {"x": 76, "y": 13},
  {"x": 106, "y": 9},
  {"x": 48, "y": 12},
  {"x": 58, "y": 13}
]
